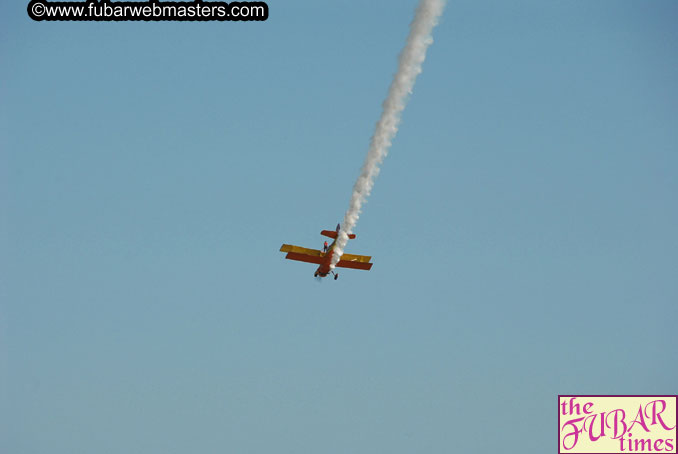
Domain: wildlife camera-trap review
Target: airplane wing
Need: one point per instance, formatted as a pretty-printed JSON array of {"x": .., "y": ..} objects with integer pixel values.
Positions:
[
  {"x": 304, "y": 258},
  {"x": 356, "y": 258},
  {"x": 302, "y": 254},
  {"x": 354, "y": 265},
  {"x": 300, "y": 250}
]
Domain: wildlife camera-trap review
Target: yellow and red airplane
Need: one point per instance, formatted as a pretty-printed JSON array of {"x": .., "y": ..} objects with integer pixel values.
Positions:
[{"x": 324, "y": 258}]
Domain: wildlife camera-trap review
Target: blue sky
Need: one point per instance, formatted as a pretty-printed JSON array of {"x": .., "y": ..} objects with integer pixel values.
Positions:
[{"x": 523, "y": 228}]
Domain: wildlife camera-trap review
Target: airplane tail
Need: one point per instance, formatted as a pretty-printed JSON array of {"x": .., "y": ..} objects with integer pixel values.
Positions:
[{"x": 331, "y": 234}]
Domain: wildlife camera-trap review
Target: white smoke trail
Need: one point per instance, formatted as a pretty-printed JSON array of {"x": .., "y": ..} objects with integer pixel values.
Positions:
[{"x": 409, "y": 67}]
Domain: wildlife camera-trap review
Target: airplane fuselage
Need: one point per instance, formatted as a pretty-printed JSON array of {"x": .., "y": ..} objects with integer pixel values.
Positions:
[{"x": 324, "y": 268}]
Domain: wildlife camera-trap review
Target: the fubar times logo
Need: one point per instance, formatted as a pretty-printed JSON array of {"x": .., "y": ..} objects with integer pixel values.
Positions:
[{"x": 617, "y": 424}]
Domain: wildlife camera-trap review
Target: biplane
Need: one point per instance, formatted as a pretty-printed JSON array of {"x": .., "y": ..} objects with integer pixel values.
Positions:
[{"x": 324, "y": 258}]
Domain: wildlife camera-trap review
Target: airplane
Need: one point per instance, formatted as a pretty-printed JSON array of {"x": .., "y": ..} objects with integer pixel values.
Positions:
[{"x": 302, "y": 254}]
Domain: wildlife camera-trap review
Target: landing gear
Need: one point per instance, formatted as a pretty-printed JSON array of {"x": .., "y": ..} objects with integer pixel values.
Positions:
[
  {"x": 336, "y": 275},
  {"x": 315, "y": 274}
]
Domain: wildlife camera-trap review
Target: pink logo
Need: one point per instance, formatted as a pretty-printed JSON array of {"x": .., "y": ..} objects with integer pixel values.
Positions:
[{"x": 617, "y": 424}]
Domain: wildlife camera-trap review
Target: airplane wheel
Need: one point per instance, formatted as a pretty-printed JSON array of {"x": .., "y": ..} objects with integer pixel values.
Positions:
[{"x": 336, "y": 276}]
